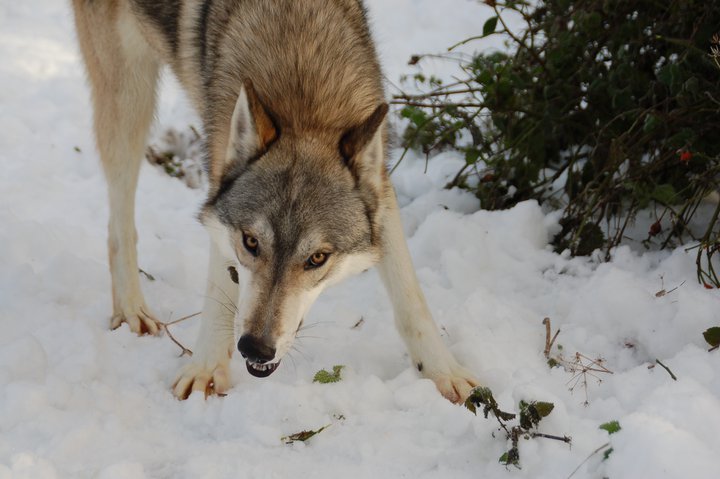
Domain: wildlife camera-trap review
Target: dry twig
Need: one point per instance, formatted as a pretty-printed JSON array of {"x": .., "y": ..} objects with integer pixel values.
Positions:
[
  {"x": 607, "y": 444},
  {"x": 147, "y": 275},
  {"x": 565, "y": 439},
  {"x": 666, "y": 369},
  {"x": 165, "y": 327},
  {"x": 663, "y": 291},
  {"x": 581, "y": 366},
  {"x": 548, "y": 341}
]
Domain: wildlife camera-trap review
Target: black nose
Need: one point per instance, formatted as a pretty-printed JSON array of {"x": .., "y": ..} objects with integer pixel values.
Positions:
[{"x": 255, "y": 350}]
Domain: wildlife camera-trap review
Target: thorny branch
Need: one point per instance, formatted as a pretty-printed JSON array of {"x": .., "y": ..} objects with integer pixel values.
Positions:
[
  {"x": 496, "y": 95},
  {"x": 710, "y": 247}
]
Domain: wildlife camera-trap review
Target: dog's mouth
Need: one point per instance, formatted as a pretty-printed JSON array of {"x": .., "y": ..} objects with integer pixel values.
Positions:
[{"x": 261, "y": 370}]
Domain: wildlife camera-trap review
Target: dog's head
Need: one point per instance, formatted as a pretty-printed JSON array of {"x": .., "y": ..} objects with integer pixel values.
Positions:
[{"x": 293, "y": 214}]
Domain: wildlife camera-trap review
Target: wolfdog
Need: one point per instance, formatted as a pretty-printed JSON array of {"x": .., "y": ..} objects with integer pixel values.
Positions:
[{"x": 291, "y": 98}]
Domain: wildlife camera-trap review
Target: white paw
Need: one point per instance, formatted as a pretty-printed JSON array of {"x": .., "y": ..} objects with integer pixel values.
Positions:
[
  {"x": 214, "y": 379},
  {"x": 454, "y": 382},
  {"x": 139, "y": 319}
]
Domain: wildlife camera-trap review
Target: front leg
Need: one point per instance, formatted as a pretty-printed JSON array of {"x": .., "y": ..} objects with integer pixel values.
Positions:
[
  {"x": 412, "y": 316},
  {"x": 208, "y": 370}
]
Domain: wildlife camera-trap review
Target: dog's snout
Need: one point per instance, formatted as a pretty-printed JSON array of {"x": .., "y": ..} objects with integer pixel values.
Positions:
[{"x": 255, "y": 350}]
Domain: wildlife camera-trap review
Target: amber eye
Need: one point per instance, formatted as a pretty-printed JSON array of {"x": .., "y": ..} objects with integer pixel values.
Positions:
[
  {"x": 316, "y": 260},
  {"x": 251, "y": 244}
]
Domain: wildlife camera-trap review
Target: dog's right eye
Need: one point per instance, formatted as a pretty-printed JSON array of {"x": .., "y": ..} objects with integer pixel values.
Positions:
[{"x": 251, "y": 244}]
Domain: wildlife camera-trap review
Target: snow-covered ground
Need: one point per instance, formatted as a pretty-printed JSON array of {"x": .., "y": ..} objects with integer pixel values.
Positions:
[{"x": 78, "y": 400}]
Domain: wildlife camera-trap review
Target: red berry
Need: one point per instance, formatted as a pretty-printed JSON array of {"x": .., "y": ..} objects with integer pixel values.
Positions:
[
  {"x": 487, "y": 178},
  {"x": 685, "y": 156},
  {"x": 655, "y": 229}
]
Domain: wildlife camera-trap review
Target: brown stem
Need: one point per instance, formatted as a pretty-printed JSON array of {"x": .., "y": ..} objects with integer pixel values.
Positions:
[
  {"x": 434, "y": 93},
  {"x": 436, "y": 105},
  {"x": 606, "y": 445},
  {"x": 520, "y": 43},
  {"x": 704, "y": 242},
  {"x": 565, "y": 439},
  {"x": 666, "y": 369}
]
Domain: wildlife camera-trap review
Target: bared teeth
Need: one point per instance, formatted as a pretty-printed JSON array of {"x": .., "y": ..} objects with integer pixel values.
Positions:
[{"x": 261, "y": 370}]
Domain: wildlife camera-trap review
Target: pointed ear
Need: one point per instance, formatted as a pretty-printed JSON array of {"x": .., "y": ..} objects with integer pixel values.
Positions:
[
  {"x": 362, "y": 147},
  {"x": 357, "y": 138},
  {"x": 252, "y": 130}
]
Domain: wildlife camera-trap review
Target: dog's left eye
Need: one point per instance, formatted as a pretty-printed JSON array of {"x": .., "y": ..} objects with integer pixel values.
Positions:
[
  {"x": 316, "y": 260},
  {"x": 251, "y": 244}
]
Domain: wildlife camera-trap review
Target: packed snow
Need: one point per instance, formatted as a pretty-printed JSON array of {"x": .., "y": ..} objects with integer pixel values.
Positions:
[{"x": 79, "y": 400}]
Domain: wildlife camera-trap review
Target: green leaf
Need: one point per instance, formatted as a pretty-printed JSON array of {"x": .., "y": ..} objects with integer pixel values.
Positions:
[
  {"x": 712, "y": 336},
  {"x": 651, "y": 123},
  {"x": 607, "y": 454},
  {"x": 591, "y": 238},
  {"x": 511, "y": 457},
  {"x": 531, "y": 413},
  {"x": 485, "y": 77},
  {"x": 435, "y": 81},
  {"x": 670, "y": 75},
  {"x": 622, "y": 99},
  {"x": 325, "y": 377},
  {"x": 471, "y": 156},
  {"x": 504, "y": 87},
  {"x": 302, "y": 435},
  {"x": 526, "y": 421},
  {"x": 482, "y": 395},
  {"x": 489, "y": 26},
  {"x": 505, "y": 416},
  {"x": 416, "y": 115},
  {"x": 479, "y": 395},
  {"x": 664, "y": 194},
  {"x": 544, "y": 408},
  {"x": 592, "y": 23},
  {"x": 611, "y": 427},
  {"x": 691, "y": 85}
]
